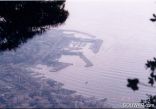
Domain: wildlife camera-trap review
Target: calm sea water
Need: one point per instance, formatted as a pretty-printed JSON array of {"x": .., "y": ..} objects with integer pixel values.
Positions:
[
  {"x": 118, "y": 40},
  {"x": 128, "y": 41}
]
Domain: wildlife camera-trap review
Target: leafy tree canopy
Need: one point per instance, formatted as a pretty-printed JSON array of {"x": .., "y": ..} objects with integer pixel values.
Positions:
[{"x": 21, "y": 20}]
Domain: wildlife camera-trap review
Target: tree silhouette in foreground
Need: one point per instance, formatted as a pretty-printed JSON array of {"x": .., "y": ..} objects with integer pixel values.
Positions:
[
  {"x": 154, "y": 18},
  {"x": 133, "y": 83},
  {"x": 19, "y": 87},
  {"x": 150, "y": 102},
  {"x": 21, "y": 20}
]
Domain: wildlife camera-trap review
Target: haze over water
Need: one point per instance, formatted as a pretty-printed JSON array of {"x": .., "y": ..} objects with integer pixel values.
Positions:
[
  {"x": 128, "y": 41},
  {"x": 100, "y": 46}
]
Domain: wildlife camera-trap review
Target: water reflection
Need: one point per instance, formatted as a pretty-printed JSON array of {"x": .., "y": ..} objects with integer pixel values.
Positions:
[{"x": 20, "y": 21}]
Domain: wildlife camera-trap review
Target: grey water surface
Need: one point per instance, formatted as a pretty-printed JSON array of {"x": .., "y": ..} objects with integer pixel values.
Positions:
[
  {"x": 128, "y": 42},
  {"x": 101, "y": 45}
]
